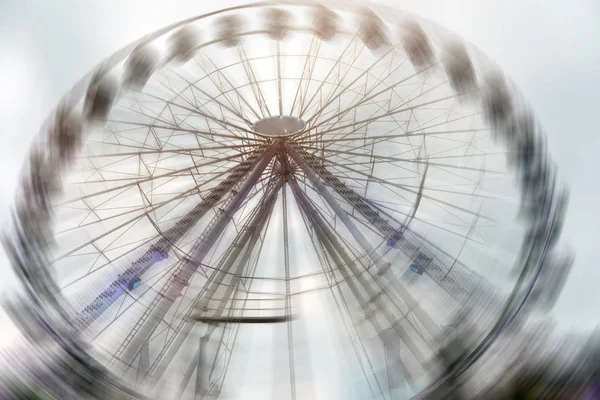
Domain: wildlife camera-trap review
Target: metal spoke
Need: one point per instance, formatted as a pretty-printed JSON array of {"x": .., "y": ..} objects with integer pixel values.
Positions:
[
  {"x": 318, "y": 90},
  {"x": 329, "y": 181},
  {"x": 330, "y": 100},
  {"x": 260, "y": 98}
]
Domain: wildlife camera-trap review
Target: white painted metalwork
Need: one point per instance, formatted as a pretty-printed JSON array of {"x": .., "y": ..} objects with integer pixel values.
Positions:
[{"x": 336, "y": 169}]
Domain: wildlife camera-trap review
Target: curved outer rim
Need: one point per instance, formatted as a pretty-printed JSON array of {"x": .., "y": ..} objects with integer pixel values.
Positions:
[{"x": 522, "y": 288}]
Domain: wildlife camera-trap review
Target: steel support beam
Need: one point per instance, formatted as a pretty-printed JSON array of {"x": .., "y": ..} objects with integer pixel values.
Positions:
[
  {"x": 246, "y": 238},
  {"x": 380, "y": 264},
  {"x": 286, "y": 254},
  {"x": 144, "y": 329},
  {"x": 144, "y": 364},
  {"x": 159, "y": 250},
  {"x": 201, "y": 378},
  {"x": 332, "y": 202},
  {"x": 250, "y": 237},
  {"x": 344, "y": 263},
  {"x": 319, "y": 176},
  {"x": 195, "y": 365}
]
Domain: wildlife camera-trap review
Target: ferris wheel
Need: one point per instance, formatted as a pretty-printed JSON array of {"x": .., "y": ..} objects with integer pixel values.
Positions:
[{"x": 288, "y": 200}]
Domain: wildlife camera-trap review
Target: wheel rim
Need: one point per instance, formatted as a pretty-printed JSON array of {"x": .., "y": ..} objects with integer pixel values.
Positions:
[{"x": 167, "y": 147}]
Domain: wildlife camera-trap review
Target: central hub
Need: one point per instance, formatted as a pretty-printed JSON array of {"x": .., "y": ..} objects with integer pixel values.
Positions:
[{"x": 279, "y": 126}]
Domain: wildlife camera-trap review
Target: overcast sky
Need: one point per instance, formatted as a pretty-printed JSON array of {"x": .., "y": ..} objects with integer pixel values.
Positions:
[{"x": 549, "y": 48}]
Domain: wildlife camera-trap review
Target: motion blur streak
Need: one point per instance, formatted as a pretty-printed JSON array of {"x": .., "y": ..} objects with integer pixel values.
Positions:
[{"x": 293, "y": 200}]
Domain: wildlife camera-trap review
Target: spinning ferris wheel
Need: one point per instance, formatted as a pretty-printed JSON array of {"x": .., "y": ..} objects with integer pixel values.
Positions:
[{"x": 288, "y": 200}]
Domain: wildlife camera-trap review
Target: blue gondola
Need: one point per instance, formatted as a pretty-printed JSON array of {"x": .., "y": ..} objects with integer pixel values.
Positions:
[
  {"x": 134, "y": 283},
  {"x": 416, "y": 269}
]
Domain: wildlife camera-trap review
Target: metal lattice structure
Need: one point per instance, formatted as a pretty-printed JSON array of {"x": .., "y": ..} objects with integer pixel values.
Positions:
[{"x": 313, "y": 191}]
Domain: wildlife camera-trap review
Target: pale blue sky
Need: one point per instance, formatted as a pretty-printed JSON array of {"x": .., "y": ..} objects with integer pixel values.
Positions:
[{"x": 549, "y": 48}]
